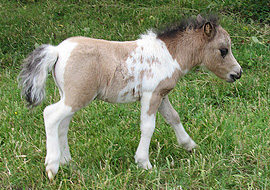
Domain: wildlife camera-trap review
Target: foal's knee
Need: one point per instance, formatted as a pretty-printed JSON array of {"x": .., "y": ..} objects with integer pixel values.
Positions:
[
  {"x": 175, "y": 119},
  {"x": 148, "y": 126},
  {"x": 172, "y": 118}
]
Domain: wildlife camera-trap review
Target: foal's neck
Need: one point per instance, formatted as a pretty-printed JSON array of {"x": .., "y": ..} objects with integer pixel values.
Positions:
[{"x": 186, "y": 48}]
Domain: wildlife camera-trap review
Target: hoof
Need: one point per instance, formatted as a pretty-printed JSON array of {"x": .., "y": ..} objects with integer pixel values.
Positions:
[
  {"x": 194, "y": 147},
  {"x": 189, "y": 146},
  {"x": 50, "y": 175},
  {"x": 145, "y": 164}
]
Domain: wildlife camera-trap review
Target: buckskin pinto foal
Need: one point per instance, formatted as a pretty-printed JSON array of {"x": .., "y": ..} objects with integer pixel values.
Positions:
[{"x": 144, "y": 70}]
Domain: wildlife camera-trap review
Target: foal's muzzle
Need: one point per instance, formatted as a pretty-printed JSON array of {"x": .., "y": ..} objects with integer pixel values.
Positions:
[{"x": 236, "y": 76}]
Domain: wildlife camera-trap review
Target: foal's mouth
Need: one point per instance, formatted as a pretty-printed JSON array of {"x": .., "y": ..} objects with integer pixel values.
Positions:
[{"x": 234, "y": 77}]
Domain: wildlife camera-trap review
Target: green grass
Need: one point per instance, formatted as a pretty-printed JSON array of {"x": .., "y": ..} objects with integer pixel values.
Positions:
[{"x": 230, "y": 122}]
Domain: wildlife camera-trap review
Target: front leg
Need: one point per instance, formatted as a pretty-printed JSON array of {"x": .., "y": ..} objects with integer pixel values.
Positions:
[
  {"x": 173, "y": 119},
  {"x": 149, "y": 106}
]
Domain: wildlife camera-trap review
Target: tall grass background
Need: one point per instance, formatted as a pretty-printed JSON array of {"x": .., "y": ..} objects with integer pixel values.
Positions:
[{"x": 229, "y": 122}]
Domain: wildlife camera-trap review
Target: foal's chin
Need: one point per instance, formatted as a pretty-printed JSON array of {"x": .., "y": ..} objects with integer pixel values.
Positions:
[{"x": 231, "y": 80}]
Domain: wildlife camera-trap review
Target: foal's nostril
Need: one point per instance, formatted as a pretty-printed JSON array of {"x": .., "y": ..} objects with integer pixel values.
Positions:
[{"x": 238, "y": 76}]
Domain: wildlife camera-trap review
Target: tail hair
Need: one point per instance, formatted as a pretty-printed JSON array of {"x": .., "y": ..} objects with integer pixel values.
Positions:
[{"x": 32, "y": 78}]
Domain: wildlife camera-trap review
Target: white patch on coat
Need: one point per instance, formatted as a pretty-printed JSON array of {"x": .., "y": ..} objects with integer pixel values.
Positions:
[
  {"x": 149, "y": 64},
  {"x": 64, "y": 49}
]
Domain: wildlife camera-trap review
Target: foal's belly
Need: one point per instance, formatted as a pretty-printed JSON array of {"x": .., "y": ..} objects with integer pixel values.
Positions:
[{"x": 131, "y": 93}]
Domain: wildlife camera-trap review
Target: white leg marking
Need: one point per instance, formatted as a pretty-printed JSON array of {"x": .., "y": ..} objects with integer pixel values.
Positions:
[
  {"x": 147, "y": 129},
  {"x": 172, "y": 118},
  {"x": 53, "y": 116},
  {"x": 183, "y": 138},
  {"x": 63, "y": 140}
]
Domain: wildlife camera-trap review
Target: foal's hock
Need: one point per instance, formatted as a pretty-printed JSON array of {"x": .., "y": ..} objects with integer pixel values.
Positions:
[{"x": 144, "y": 70}]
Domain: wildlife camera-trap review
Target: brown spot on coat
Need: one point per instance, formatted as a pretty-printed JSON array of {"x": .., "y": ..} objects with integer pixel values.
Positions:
[{"x": 163, "y": 88}]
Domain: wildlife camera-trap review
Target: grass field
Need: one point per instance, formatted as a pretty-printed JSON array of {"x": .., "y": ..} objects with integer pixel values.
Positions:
[{"x": 229, "y": 122}]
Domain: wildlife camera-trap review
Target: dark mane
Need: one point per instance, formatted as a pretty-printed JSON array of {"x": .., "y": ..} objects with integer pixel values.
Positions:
[{"x": 186, "y": 24}]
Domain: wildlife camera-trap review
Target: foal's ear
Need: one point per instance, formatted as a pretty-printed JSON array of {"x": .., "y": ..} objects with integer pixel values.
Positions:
[{"x": 209, "y": 30}]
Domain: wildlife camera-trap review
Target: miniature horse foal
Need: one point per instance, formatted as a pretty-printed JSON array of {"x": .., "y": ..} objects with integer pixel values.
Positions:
[{"x": 144, "y": 70}]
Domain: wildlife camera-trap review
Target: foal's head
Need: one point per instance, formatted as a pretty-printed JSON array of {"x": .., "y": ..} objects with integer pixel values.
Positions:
[
  {"x": 217, "y": 53},
  {"x": 202, "y": 41}
]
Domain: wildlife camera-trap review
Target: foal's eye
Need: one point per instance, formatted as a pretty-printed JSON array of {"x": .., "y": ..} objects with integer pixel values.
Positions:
[{"x": 223, "y": 52}]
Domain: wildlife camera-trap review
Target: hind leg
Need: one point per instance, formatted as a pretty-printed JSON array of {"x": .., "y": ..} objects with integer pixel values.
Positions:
[
  {"x": 63, "y": 140},
  {"x": 54, "y": 115}
]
